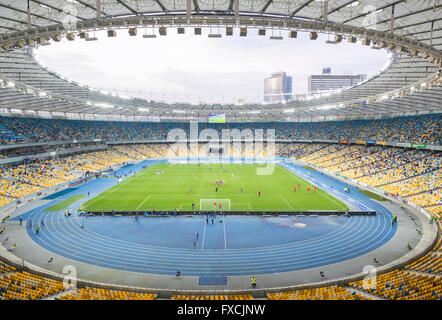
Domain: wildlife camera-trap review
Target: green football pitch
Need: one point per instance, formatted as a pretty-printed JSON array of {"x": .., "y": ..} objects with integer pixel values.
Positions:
[{"x": 177, "y": 186}]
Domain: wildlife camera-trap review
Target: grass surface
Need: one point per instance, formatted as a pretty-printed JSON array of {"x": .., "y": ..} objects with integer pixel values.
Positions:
[
  {"x": 65, "y": 203},
  {"x": 373, "y": 195},
  {"x": 183, "y": 184}
]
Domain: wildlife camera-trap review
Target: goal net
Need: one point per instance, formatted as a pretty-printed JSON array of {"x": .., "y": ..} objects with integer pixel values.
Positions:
[{"x": 213, "y": 204}]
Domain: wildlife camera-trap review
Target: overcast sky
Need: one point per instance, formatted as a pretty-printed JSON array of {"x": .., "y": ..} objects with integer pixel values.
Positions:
[{"x": 192, "y": 68}]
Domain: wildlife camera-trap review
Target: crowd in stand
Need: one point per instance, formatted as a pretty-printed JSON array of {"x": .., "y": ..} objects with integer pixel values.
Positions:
[
  {"x": 409, "y": 173},
  {"x": 412, "y": 129}
]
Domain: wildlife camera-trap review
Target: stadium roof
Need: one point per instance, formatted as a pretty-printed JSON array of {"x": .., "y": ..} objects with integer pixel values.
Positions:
[{"x": 411, "y": 84}]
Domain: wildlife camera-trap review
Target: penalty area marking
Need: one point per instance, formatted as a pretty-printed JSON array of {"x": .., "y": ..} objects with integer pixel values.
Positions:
[
  {"x": 286, "y": 201},
  {"x": 147, "y": 198}
]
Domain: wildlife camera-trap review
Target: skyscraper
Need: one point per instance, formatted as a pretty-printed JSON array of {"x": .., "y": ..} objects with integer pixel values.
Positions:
[
  {"x": 329, "y": 81},
  {"x": 278, "y": 87}
]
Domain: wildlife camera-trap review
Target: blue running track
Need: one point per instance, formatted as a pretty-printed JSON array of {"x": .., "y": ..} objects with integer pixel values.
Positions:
[{"x": 232, "y": 246}]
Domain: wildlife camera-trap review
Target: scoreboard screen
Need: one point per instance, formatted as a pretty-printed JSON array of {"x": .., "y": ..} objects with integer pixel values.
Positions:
[{"x": 217, "y": 118}]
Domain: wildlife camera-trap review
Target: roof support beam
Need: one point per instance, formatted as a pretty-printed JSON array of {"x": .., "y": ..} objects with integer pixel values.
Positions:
[
  {"x": 161, "y": 6},
  {"x": 236, "y": 8},
  {"x": 341, "y": 6},
  {"x": 392, "y": 19},
  {"x": 17, "y": 21},
  {"x": 29, "y": 14},
  {"x": 420, "y": 32},
  {"x": 188, "y": 11},
  {"x": 231, "y": 5},
  {"x": 98, "y": 9},
  {"x": 406, "y": 15},
  {"x": 265, "y": 6},
  {"x": 128, "y": 7},
  {"x": 431, "y": 33},
  {"x": 325, "y": 15},
  {"x": 301, "y": 7},
  {"x": 196, "y": 5},
  {"x": 57, "y": 9},
  {"x": 417, "y": 24},
  {"x": 367, "y": 13}
]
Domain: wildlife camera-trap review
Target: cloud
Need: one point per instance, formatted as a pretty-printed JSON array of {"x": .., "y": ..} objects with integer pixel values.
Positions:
[{"x": 189, "y": 65}]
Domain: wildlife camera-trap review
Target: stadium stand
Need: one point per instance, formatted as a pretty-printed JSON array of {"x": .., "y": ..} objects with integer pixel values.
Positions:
[
  {"x": 27, "y": 286},
  {"x": 411, "y": 129},
  {"x": 404, "y": 285},
  {"x": 90, "y": 293},
  {"x": 213, "y": 297},
  {"x": 321, "y": 293}
]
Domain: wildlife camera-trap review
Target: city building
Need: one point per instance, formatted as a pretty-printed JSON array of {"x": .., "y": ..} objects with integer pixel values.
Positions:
[
  {"x": 328, "y": 81},
  {"x": 278, "y": 87}
]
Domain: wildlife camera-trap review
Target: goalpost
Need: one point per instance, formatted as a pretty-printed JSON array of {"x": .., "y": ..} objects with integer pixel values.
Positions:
[{"x": 208, "y": 205}]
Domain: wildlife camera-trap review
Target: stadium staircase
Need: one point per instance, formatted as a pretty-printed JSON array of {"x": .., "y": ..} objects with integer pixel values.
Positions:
[
  {"x": 351, "y": 290},
  {"x": 10, "y": 135}
]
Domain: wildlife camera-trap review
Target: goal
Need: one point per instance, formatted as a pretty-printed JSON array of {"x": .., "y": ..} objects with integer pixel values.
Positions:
[{"x": 208, "y": 205}]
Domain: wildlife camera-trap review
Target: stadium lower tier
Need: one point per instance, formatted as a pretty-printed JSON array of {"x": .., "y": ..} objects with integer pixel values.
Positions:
[{"x": 411, "y": 174}]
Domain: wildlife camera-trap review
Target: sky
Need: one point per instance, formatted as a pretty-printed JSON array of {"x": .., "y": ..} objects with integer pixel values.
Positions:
[{"x": 192, "y": 68}]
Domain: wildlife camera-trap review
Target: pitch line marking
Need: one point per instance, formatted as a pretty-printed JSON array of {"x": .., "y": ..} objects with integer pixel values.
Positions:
[
  {"x": 147, "y": 198},
  {"x": 225, "y": 241},
  {"x": 286, "y": 201},
  {"x": 324, "y": 194},
  {"x": 204, "y": 235}
]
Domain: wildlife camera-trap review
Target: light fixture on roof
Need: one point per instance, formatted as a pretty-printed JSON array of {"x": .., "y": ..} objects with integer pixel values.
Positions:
[
  {"x": 162, "y": 31},
  {"x": 313, "y": 35},
  {"x": 261, "y": 32},
  {"x": 338, "y": 38},
  {"x": 277, "y": 37},
  {"x": 30, "y": 42},
  {"x": 20, "y": 44},
  {"x": 143, "y": 109},
  {"x": 70, "y": 36},
  {"x": 42, "y": 94},
  {"x": 41, "y": 40},
  {"x": 10, "y": 84},
  {"x": 390, "y": 46},
  {"x": 149, "y": 36},
  {"x": 293, "y": 34},
  {"x": 243, "y": 32},
  {"x": 229, "y": 31},
  {"x": 181, "y": 30},
  {"x": 289, "y": 110},
  {"x": 413, "y": 52},
  {"x": 214, "y": 35},
  {"x": 132, "y": 32},
  {"x": 6, "y": 46},
  {"x": 366, "y": 42},
  {"x": 56, "y": 37},
  {"x": 400, "y": 48},
  {"x": 197, "y": 31},
  {"x": 111, "y": 33},
  {"x": 352, "y": 39}
]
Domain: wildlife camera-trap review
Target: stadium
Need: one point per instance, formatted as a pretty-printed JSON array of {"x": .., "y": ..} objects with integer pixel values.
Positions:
[{"x": 322, "y": 196}]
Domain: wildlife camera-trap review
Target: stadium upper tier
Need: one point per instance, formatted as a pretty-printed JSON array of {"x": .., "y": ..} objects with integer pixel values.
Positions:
[
  {"x": 410, "y": 84},
  {"x": 413, "y": 129}
]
